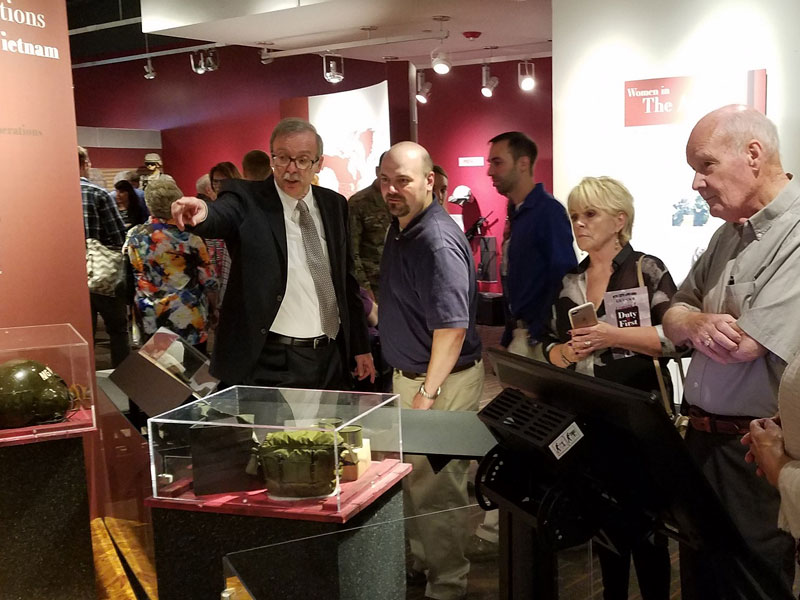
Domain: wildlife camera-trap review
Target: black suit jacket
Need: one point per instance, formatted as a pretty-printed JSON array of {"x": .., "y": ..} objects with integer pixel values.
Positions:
[{"x": 248, "y": 215}]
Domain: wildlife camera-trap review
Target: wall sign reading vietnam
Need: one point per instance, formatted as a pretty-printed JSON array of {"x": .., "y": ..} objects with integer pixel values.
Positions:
[
  {"x": 37, "y": 127},
  {"x": 18, "y": 33}
]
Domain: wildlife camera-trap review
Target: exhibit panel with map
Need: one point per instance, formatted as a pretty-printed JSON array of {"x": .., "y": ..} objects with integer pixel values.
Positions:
[{"x": 355, "y": 127}]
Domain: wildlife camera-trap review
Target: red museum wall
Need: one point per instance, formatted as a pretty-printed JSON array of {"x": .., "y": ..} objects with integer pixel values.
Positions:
[{"x": 205, "y": 119}]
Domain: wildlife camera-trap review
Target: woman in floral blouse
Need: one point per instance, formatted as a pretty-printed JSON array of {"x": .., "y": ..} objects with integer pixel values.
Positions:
[
  {"x": 601, "y": 211},
  {"x": 175, "y": 286}
]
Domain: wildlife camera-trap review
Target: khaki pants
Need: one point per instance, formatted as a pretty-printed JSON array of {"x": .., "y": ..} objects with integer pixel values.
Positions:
[{"x": 437, "y": 541}]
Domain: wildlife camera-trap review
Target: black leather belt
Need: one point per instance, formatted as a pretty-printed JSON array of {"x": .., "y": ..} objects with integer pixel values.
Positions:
[
  {"x": 456, "y": 369},
  {"x": 701, "y": 420},
  {"x": 317, "y": 342}
]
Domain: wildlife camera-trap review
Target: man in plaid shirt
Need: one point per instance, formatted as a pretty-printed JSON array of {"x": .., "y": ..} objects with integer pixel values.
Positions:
[{"x": 101, "y": 221}]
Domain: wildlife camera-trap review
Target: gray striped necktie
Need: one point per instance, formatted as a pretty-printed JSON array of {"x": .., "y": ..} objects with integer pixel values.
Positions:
[{"x": 320, "y": 272}]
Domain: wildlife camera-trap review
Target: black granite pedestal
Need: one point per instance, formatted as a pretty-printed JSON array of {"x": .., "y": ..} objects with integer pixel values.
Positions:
[
  {"x": 45, "y": 534},
  {"x": 354, "y": 563}
]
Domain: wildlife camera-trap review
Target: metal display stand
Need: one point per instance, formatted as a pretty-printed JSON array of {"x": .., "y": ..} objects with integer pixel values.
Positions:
[{"x": 577, "y": 454}]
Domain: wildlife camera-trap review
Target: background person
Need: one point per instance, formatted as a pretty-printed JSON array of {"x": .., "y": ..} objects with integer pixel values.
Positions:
[
  {"x": 256, "y": 165},
  {"x": 101, "y": 221},
  {"x": 601, "y": 211},
  {"x": 128, "y": 204},
  {"x": 540, "y": 247},
  {"x": 439, "y": 184},
  {"x": 220, "y": 172},
  {"x": 369, "y": 220},
  {"x": 174, "y": 281},
  {"x": 134, "y": 179},
  {"x": 774, "y": 445},
  {"x": 203, "y": 188}
]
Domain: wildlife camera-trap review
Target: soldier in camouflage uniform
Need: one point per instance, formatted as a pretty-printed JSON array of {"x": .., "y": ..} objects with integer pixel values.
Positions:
[{"x": 369, "y": 220}]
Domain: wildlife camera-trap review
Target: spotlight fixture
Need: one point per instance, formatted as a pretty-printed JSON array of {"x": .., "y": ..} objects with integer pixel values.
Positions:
[
  {"x": 423, "y": 88},
  {"x": 488, "y": 83},
  {"x": 333, "y": 68},
  {"x": 204, "y": 60},
  {"x": 440, "y": 63},
  {"x": 212, "y": 59},
  {"x": 198, "y": 62},
  {"x": 264, "y": 55},
  {"x": 525, "y": 76},
  {"x": 149, "y": 71}
]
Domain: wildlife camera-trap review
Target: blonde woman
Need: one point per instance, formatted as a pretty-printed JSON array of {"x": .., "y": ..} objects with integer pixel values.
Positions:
[{"x": 601, "y": 212}]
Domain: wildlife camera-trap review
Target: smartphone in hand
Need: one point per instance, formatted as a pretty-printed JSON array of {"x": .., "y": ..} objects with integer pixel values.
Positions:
[{"x": 582, "y": 316}]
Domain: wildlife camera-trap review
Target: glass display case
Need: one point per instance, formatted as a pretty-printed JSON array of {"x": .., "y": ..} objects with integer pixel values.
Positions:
[
  {"x": 180, "y": 359},
  {"x": 46, "y": 383},
  {"x": 314, "y": 453},
  {"x": 164, "y": 373}
]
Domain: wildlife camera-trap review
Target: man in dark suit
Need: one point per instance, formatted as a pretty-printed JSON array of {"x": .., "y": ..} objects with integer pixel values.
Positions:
[{"x": 292, "y": 315}]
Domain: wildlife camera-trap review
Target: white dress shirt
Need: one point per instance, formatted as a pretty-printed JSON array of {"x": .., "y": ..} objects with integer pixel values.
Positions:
[{"x": 298, "y": 315}]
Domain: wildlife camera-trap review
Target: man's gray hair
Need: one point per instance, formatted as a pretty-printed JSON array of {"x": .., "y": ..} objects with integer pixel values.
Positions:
[
  {"x": 292, "y": 125},
  {"x": 203, "y": 184},
  {"x": 741, "y": 124},
  {"x": 159, "y": 196}
]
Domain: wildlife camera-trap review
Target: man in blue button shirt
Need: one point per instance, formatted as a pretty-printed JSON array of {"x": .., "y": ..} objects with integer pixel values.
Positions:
[
  {"x": 540, "y": 250},
  {"x": 427, "y": 319}
]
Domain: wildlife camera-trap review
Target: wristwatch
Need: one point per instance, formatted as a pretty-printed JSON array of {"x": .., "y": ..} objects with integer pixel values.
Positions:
[{"x": 423, "y": 392}]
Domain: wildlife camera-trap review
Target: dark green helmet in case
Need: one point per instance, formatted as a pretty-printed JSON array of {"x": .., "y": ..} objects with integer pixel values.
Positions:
[{"x": 31, "y": 394}]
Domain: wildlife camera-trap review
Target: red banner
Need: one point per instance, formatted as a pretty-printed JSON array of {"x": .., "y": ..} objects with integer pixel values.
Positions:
[{"x": 655, "y": 101}]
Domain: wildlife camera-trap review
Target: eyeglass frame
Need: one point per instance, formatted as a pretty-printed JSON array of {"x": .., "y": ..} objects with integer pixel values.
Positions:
[
  {"x": 294, "y": 159},
  {"x": 216, "y": 183}
]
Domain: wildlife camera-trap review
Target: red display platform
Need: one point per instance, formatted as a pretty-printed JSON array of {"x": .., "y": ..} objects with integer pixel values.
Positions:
[
  {"x": 354, "y": 498},
  {"x": 78, "y": 423}
]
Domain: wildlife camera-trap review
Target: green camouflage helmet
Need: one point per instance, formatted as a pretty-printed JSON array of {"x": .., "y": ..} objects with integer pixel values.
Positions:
[{"x": 31, "y": 394}]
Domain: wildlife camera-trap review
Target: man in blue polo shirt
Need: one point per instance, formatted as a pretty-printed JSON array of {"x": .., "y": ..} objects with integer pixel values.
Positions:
[
  {"x": 427, "y": 316},
  {"x": 540, "y": 249}
]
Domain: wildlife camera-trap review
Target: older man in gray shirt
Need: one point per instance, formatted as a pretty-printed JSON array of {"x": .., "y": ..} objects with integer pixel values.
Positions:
[{"x": 738, "y": 308}]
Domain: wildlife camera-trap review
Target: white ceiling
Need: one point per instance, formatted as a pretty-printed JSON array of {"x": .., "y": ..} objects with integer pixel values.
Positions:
[{"x": 519, "y": 28}]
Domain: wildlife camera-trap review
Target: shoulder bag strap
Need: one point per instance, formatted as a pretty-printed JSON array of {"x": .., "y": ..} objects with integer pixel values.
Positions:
[{"x": 659, "y": 375}]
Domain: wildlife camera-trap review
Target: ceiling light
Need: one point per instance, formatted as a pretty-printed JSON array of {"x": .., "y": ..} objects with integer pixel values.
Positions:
[
  {"x": 440, "y": 62},
  {"x": 423, "y": 88},
  {"x": 488, "y": 83},
  {"x": 264, "y": 55},
  {"x": 204, "y": 60},
  {"x": 198, "y": 62},
  {"x": 149, "y": 71},
  {"x": 212, "y": 59},
  {"x": 333, "y": 68},
  {"x": 525, "y": 76}
]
